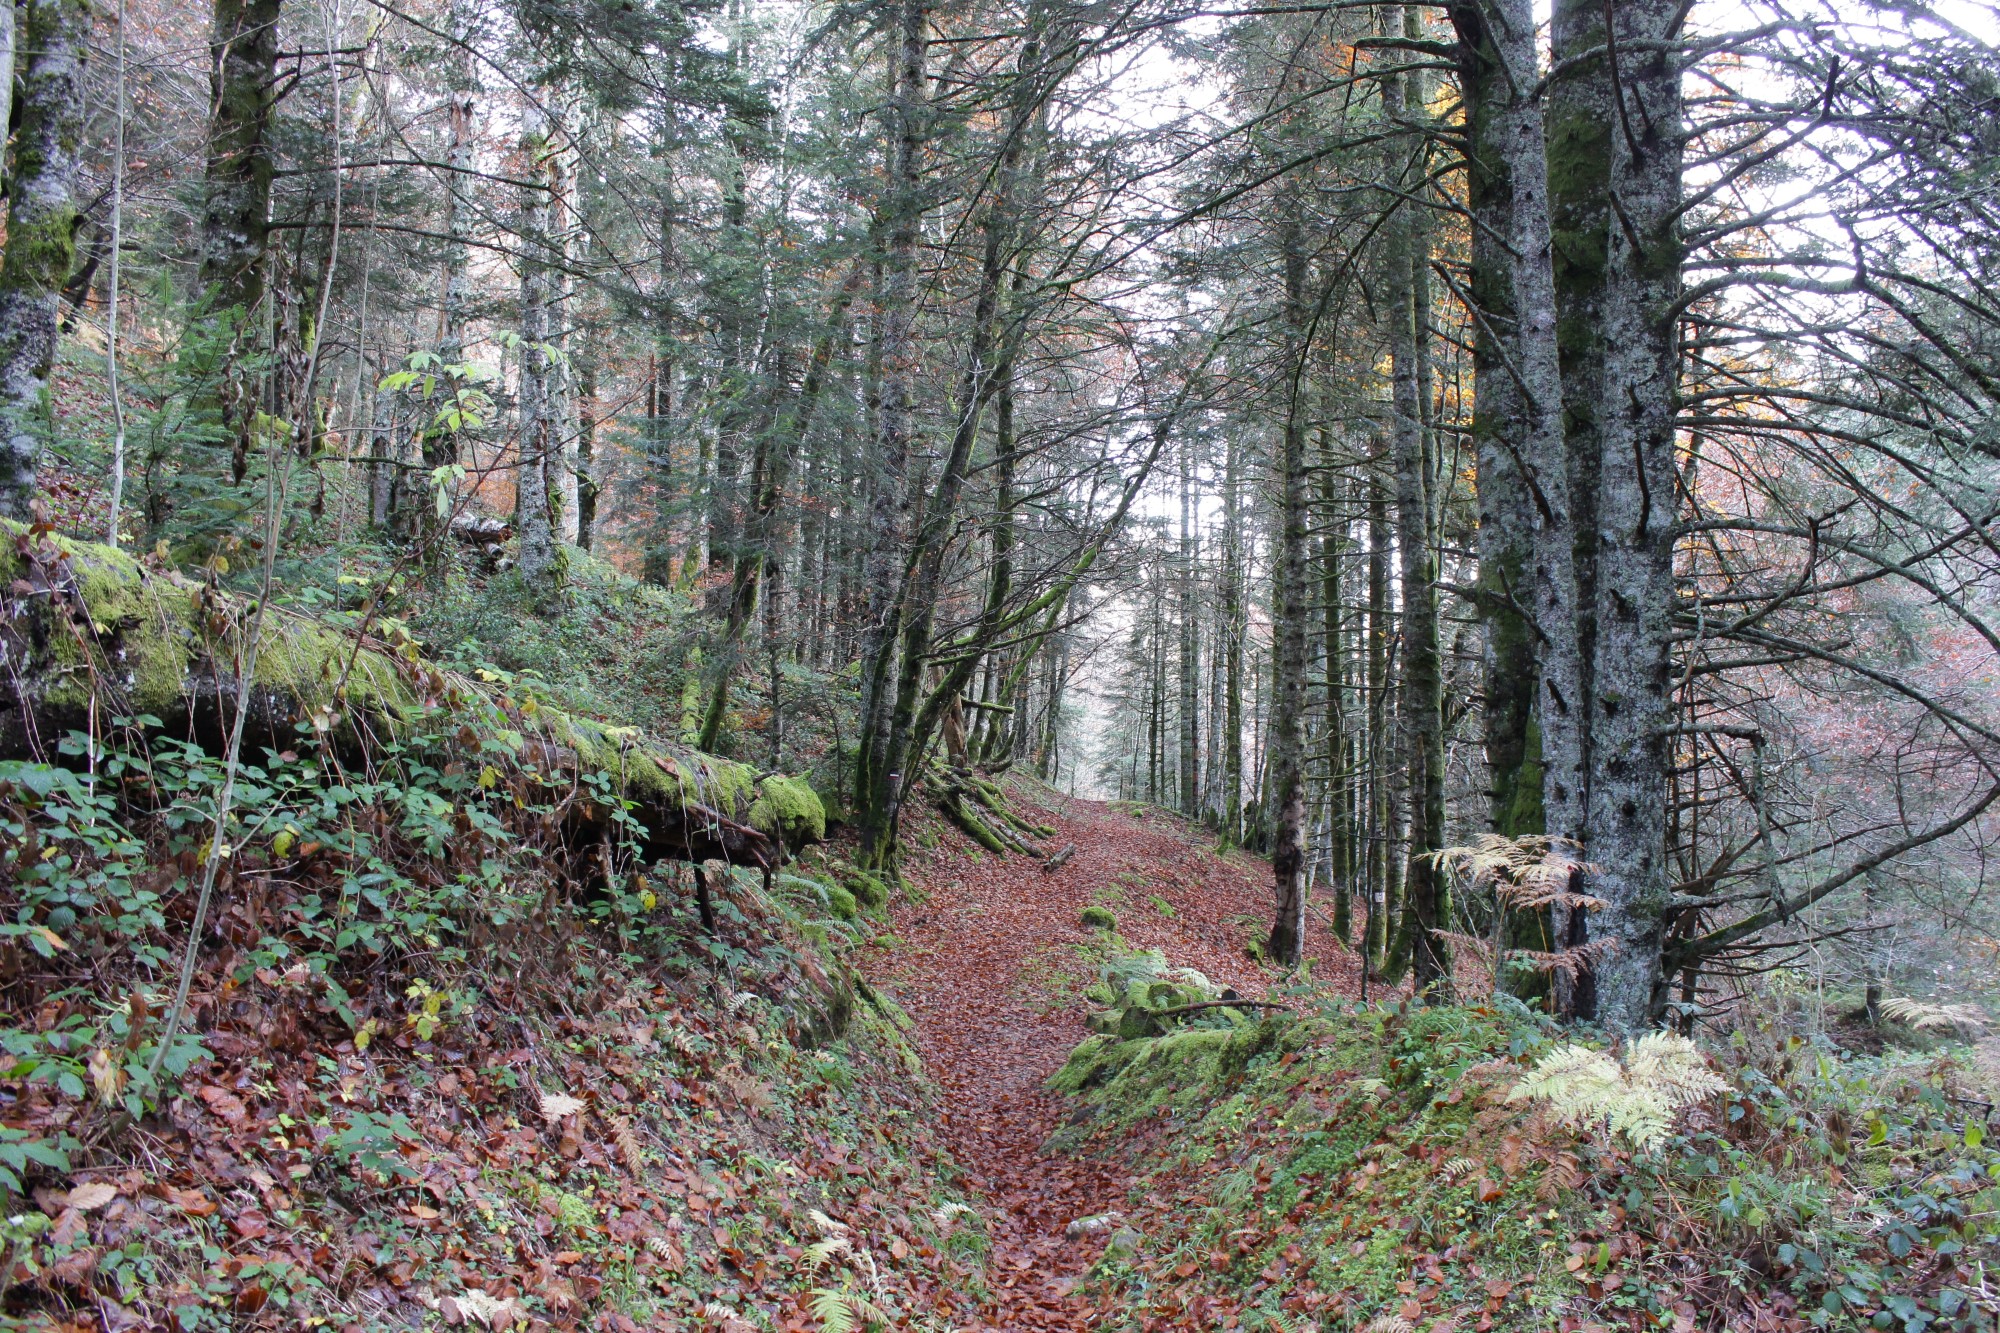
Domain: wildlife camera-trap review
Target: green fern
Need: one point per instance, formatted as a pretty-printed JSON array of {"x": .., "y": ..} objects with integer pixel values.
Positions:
[
  {"x": 1663, "y": 1073},
  {"x": 834, "y": 1310}
]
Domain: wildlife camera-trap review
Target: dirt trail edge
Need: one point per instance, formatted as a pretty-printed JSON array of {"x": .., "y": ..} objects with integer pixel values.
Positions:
[{"x": 991, "y": 975}]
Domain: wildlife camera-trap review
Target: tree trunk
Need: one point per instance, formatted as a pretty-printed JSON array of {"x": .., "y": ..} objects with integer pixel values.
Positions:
[
  {"x": 236, "y": 214},
  {"x": 877, "y": 779},
  {"x": 1499, "y": 423},
  {"x": 1190, "y": 639},
  {"x": 559, "y": 462},
  {"x": 1578, "y": 155},
  {"x": 41, "y": 226},
  {"x": 1406, "y": 250},
  {"x": 1381, "y": 806},
  {"x": 1630, "y": 752},
  {"x": 150, "y": 645},
  {"x": 1290, "y": 611},
  {"x": 538, "y": 555},
  {"x": 586, "y": 450},
  {"x": 1230, "y": 631}
]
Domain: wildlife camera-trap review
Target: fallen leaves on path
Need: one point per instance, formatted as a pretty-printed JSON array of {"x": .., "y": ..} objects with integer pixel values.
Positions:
[{"x": 989, "y": 971}]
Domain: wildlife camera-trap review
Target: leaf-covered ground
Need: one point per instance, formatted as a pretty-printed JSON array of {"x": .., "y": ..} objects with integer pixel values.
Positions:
[{"x": 990, "y": 957}]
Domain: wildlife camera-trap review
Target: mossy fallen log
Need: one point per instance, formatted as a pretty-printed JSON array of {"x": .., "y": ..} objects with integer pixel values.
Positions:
[{"x": 88, "y": 635}]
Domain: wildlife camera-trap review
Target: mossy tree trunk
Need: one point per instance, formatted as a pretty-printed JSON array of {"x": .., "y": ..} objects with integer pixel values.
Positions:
[
  {"x": 94, "y": 638},
  {"x": 535, "y": 408},
  {"x": 1578, "y": 129},
  {"x": 1407, "y": 256},
  {"x": 876, "y": 777},
  {"x": 41, "y": 227},
  {"x": 1506, "y": 520},
  {"x": 236, "y": 204}
]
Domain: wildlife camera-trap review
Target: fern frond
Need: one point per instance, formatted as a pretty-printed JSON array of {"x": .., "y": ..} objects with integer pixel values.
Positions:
[
  {"x": 1389, "y": 1323},
  {"x": 555, "y": 1105},
  {"x": 1457, "y": 1169},
  {"x": 627, "y": 1138},
  {"x": 1672, "y": 1068},
  {"x": 1663, "y": 1073},
  {"x": 827, "y": 1226},
  {"x": 945, "y": 1213},
  {"x": 833, "y": 1311},
  {"x": 821, "y": 1252},
  {"x": 1926, "y": 1016},
  {"x": 869, "y": 1310}
]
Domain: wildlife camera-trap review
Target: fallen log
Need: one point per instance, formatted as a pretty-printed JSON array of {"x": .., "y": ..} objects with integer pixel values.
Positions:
[
  {"x": 1060, "y": 859},
  {"x": 88, "y": 636}
]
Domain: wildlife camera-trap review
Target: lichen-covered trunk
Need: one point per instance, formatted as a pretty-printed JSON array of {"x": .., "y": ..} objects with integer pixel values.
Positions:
[
  {"x": 1190, "y": 642},
  {"x": 536, "y": 419},
  {"x": 889, "y": 502},
  {"x": 1519, "y": 135},
  {"x": 1499, "y": 433},
  {"x": 1230, "y": 631},
  {"x": 559, "y": 461},
  {"x": 236, "y": 207},
  {"x": 1630, "y": 756},
  {"x": 41, "y": 225},
  {"x": 1290, "y": 613},
  {"x": 1577, "y": 154}
]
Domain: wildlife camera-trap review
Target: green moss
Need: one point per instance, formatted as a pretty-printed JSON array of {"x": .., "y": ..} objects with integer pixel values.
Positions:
[
  {"x": 1133, "y": 1077},
  {"x": 149, "y": 636},
  {"x": 840, "y": 902},
  {"x": 869, "y": 889},
  {"x": 790, "y": 809},
  {"x": 1099, "y": 918}
]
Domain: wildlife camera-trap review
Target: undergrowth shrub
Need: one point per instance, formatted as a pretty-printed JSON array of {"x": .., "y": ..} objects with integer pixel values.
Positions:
[{"x": 1361, "y": 1165}]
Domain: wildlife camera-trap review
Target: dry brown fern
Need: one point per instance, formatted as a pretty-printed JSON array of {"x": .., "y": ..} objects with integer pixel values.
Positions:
[
  {"x": 1457, "y": 1169},
  {"x": 1562, "y": 1174},
  {"x": 629, "y": 1149}
]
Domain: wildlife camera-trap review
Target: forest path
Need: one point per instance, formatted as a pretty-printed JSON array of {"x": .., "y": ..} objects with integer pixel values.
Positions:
[{"x": 992, "y": 972}]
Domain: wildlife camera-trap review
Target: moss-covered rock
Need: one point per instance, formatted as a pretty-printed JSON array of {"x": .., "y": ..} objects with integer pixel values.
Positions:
[
  {"x": 1099, "y": 918},
  {"x": 868, "y": 889}
]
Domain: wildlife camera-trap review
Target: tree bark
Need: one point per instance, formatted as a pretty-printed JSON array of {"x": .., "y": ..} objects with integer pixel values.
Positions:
[
  {"x": 538, "y": 555},
  {"x": 1406, "y": 253},
  {"x": 236, "y": 212},
  {"x": 1290, "y": 612},
  {"x": 1499, "y": 426},
  {"x": 41, "y": 227},
  {"x": 1578, "y": 137},
  {"x": 877, "y": 778},
  {"x": 1630, "y": 751}
]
